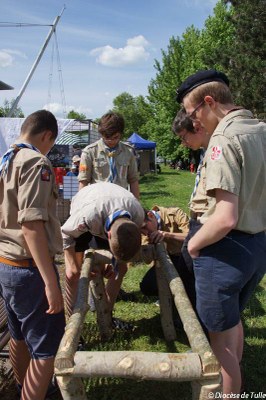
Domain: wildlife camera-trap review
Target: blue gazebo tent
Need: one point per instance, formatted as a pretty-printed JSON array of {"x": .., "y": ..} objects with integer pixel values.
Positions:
[
  {"x": 146, "y": 150},
  {"x": 139, "y": 143}
]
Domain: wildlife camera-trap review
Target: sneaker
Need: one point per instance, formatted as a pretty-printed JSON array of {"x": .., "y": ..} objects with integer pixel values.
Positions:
[
  {"x": 120, "y": 325},
  {"x": 124, "y": 296}
]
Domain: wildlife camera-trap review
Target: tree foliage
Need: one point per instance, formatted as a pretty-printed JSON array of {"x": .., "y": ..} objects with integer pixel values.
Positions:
[
  {"x": 4, "y": 110},
  {"x": 76, "y": 115},
  {"x": 135, "y": 110},
  {"x": 247, "y": 52},
  {"x": 233, "y": 41}
]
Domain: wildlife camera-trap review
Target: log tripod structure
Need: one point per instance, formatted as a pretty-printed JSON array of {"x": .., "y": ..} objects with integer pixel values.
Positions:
[{"x": 200, "y": 367}]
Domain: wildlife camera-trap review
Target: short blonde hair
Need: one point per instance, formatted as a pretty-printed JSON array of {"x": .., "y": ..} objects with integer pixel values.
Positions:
[
  {"x": 125, "y": 239},
  {"x": 217, "y": 90}
]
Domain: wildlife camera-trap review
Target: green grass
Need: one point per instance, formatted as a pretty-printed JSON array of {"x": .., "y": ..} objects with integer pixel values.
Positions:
[{"x": 170, "y": 188}]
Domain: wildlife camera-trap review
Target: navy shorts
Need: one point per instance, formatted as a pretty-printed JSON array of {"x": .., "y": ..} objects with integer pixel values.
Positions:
[
  {"x": 83, "y": 242},
  {"x": 24, "y": 294},
  {"x": 226, "y": 274}
]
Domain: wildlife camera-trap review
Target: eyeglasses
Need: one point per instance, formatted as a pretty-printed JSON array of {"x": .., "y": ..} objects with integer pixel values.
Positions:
[
  {"x": 183, "y": 137},
  {"x": 112, "y": 138},
  {"x": 192, "y": 115}
]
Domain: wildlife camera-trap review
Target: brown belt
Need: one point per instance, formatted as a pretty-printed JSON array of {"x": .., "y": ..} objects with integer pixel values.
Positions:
[{"x": 29, "y": 262}]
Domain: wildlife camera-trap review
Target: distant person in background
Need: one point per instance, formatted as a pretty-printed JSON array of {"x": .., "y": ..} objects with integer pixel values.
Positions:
[
  {"x": 76, "y": 162},
  {"x": 111, "y": 160},
  {"x": 73, "y": 171}
]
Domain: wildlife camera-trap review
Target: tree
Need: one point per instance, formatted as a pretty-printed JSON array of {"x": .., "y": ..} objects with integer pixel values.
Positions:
[
  {"x": 4, "y": 110},
  {"x": 135, "y": 111},
  {"x": 75, "y": 115},
  {"x": 247, "y": 54}
]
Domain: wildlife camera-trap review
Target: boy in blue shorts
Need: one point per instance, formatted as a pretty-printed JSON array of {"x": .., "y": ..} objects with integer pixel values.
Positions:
[
  {"x": 228, "y": 218},
  {"x": 30, "y": 237}
]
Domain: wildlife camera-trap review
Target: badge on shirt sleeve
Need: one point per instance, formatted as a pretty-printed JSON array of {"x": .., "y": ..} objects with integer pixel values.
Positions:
[
  {"x": 45, "y": 174},
  {"x": 216, "y": 153},
  {"x": 82, "y": 168}
]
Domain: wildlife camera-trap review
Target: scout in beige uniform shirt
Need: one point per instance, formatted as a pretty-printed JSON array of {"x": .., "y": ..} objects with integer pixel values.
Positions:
[
  {"x": 173, "y": 220},
  {"x": 36, "y": 194},
  {"x": 92, "y": 205},
  {"x": 227, "y": 150},
  {"x": 94, "y": 164}
]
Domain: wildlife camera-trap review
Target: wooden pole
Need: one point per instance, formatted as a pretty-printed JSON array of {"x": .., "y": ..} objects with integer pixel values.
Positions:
[
  {"x": 166, "y": 304},
  {"x": 192, "y": 327}
]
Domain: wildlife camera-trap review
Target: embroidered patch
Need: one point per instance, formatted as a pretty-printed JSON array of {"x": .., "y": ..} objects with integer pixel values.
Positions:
[
  {"x": 216, "y": 153},
  {"x": 45, "y": 174},
  {"x": 83, "y": 167}
]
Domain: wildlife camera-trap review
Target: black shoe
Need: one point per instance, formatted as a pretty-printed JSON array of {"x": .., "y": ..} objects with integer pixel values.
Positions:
[
  {"x": 120, "y": 325},
  {"x": 81, "y": 344},
  {"x": 122, "y": 295}
]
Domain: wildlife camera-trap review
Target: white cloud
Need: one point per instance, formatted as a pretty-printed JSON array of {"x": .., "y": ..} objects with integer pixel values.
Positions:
[
  {"x": 134, "y": 52},
  {"x": 6, "y": 57},
  {"x": 15, "y": 52},
  {"x": 57, "y": 109},
  {"x": 6, "y": 60}
]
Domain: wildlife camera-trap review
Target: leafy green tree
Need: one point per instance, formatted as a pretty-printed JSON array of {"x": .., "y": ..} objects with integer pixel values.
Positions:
[
  {"x": 247, "y": 54},
  {"x": 217, "y": 38},
  {"x": 135, "y": 111},
  {"x": 4, "y": 110},
  {"x": 75, "y": 115}
]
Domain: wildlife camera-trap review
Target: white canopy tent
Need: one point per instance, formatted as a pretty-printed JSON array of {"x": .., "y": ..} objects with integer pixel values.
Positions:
[{"x": 10, "y": 130}]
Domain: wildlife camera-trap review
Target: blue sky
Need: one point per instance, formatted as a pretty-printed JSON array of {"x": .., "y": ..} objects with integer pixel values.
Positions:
[{"x": 106, "y": 47}]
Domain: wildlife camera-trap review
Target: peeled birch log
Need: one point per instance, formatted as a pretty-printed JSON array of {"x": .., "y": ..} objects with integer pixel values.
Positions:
[
  {"x": 206, "y": 389},
  {"x": 104, "y": 316},
  {"x": 71, "y": 388},
  {"x": 166, "y": 304},
  {"x": 69, "y": 342},
  {"x": 192, "y": 327},
  {"x": 138, "y": 365},
  {"x": 146, "y": 255}
]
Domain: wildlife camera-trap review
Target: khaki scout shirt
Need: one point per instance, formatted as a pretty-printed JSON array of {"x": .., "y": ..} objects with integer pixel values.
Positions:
[
  {"x": 173, "y": 220},
  {"x": 28, "y": 193},
  {"x": 94, "y": 164},
  {"x": 236, "y": 162},
  {"x": 92, "y": 205}
]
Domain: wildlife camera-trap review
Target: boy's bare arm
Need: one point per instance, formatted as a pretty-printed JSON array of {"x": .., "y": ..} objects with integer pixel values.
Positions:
[{"x": 35, "y": 236}]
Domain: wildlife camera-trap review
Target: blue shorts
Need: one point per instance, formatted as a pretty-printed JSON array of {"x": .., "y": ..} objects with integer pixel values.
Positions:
[
  {"x": 226, "y": 274},
  {"x": 24, "y": 294}
]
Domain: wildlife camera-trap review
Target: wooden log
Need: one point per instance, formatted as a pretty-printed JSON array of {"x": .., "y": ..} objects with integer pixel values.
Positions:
[
  {"x": 192, "y": 327},
  {"x": 71, "y": 388},
  {"x": 166, "y": 304},
  {"x": 138, "y": 365},
  {"x": 207, "y": 389},
  {"x": 146, "y": 255},
  {"x": 69, "y": 343},
  {"x": 104, "y": 315}
]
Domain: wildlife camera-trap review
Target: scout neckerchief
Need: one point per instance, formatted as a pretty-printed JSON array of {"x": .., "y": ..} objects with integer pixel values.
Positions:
[
  {"x": 107, "y": 226},
  {"x": 112, "y": 165},
  {"x": 158, "y": 218},
  {"x": 114, "y": 216},
  {"x": 197, "y": 179},
  {"x": 14, "y": 148}
]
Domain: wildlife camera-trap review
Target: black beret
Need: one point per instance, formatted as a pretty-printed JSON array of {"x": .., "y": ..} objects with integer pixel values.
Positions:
[
  {"x": 5, "y": 86},
  {"x": 197, "y": 79}
]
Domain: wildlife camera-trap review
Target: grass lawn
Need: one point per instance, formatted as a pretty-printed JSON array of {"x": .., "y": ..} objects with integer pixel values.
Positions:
[{"x": 170, "y": 188}]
